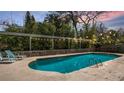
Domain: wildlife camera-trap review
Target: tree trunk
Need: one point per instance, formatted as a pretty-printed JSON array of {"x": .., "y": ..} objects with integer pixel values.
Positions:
[{"x": 76, "y": 32}]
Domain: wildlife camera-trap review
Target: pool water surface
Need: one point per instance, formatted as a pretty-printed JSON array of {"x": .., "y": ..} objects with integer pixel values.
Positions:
[{"x": 72, "y": 63}]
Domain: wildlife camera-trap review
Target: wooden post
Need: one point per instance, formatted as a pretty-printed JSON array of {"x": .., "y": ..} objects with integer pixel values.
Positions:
[
  {"x": 68, "y": 43},
  {"x": 52, "y": 43},
  {"x": 80, "y": 40},
  {"x": 80, "y": 43},
  {"x": 30, "y": 43}
]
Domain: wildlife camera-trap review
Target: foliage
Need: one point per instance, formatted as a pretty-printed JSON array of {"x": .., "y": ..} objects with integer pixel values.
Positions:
[
  {"x": 30, "y": 23},
  {"x": 63, "y": 24}
]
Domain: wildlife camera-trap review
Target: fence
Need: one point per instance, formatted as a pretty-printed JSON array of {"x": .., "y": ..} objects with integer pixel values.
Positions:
[
  {"x": 111, "y": 48},
  {"x": 54, "y": 52}
]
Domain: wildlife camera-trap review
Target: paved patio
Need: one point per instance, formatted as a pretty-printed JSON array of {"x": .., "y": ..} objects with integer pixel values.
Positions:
[{"x": 110, "y": 71}]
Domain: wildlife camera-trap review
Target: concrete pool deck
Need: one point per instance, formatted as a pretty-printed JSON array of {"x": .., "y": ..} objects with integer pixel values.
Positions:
[{"x": 112, "y": 70}]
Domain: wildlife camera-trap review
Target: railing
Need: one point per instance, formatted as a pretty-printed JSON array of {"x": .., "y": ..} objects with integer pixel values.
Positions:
[
  {"x": 53, "y": 52},
  {"x": 95, "y": 61}
]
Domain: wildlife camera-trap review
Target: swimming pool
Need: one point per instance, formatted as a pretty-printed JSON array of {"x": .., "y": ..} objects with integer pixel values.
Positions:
[{"x": 71, "y": 63}]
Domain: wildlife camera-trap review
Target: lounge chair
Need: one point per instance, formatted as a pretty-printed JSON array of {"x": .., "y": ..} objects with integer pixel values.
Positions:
[
  {"x": 1, "y": 57},
  {"x": 5, "y": 60},
  {"x": 11, "y": 55}
]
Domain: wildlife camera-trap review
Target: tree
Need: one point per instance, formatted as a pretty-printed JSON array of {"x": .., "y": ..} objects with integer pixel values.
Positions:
[
  {"x": 53, "y": 18},
  {"x": 45, "y": 28},
  {"x": 88, "y": 17},
  {"x": 70, "y": 17},
  {"x": 101, "y": 27},
  {"x": 60, "y": 23},
  {"x": 13, "y": 28},
  {"x": 73, "y": 17},
  {"x": 30, "y": 23}
]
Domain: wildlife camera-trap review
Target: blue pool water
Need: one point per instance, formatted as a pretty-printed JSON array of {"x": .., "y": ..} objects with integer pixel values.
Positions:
[{"x": 70, "y": 63}]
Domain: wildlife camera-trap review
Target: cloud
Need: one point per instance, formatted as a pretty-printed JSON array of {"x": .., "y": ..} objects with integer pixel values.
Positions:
[
  {"x": 110, "y": 15},
  {"x": 117, "y": 22}
]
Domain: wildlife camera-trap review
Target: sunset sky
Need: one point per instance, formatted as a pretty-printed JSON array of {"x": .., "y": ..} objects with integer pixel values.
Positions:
[{"x": 114, "y": 19}]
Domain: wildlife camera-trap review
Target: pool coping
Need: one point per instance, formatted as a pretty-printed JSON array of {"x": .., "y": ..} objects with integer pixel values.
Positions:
[{"x": 23, "y": 64}]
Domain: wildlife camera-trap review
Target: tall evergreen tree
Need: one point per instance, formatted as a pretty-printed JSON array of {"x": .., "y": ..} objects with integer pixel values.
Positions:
[{"x": 29, "y": 23}]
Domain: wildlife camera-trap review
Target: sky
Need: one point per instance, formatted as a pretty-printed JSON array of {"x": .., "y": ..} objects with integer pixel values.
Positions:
[
  {"x": 112, "y": 19},
  {"x": 18, "y": 16}
]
